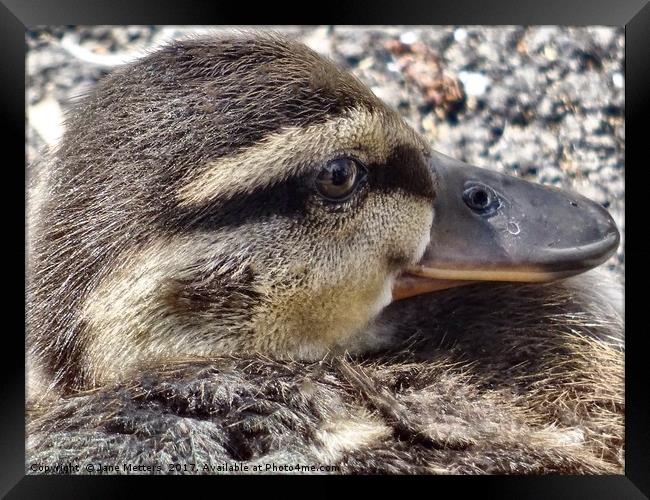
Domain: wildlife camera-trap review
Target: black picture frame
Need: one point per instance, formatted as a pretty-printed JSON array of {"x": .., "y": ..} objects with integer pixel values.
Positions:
[{"x": 16, "y": 15}]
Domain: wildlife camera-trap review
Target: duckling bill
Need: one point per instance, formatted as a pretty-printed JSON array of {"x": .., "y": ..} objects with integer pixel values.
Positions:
[{"x": 492, "y": 227}]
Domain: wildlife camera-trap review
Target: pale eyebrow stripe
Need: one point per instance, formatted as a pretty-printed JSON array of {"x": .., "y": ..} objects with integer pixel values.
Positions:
[{"x": 292, "y": 151}]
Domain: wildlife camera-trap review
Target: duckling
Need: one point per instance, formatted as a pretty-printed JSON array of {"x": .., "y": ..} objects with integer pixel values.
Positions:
[{"x": 226, "y": 217}]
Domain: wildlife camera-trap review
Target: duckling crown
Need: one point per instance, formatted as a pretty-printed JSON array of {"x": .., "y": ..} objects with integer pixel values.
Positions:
[{"x": 181, "y": 214}]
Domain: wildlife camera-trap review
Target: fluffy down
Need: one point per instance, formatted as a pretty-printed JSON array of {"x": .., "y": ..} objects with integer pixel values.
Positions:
[{"x": 490, "y": 379}]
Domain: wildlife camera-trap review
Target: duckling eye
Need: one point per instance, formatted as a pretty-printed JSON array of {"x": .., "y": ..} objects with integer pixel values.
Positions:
[
  {"x": 480, "y": 198},
  {"x": 338, "y": 179}
]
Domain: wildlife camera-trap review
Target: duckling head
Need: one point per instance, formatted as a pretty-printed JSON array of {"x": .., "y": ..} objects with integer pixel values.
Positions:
[{"x": 243, "y": 195}]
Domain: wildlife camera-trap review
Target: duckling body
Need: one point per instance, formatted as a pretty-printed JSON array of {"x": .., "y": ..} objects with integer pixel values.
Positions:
[
  {"x": 535, "y": 387},
  {"x": 226, "y": 217}
]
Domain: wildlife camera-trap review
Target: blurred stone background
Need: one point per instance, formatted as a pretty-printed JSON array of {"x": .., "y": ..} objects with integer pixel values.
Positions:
[{"x": 543, "y": 103}]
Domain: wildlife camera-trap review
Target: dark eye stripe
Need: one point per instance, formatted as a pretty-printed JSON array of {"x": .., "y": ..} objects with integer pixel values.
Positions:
[
  {"x": 287, "y": 199},
  {"x": 405, "y": 170}
]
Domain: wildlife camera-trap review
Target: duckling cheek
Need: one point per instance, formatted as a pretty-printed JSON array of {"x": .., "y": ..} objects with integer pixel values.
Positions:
[
  {"x": 338, "y": 273},
  {"x": 405, "y": 230},
  {"x": 306, "y": 323},
  {"x": 425, "y": 237}
]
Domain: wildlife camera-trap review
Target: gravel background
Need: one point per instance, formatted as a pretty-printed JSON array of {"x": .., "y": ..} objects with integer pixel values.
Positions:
[{"x": 543, "y": 103}]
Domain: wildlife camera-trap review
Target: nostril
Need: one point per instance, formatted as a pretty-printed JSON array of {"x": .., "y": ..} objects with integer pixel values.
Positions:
[
  {"x": 479, "y": 198},
  {"x": 573, "y": 203}
]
